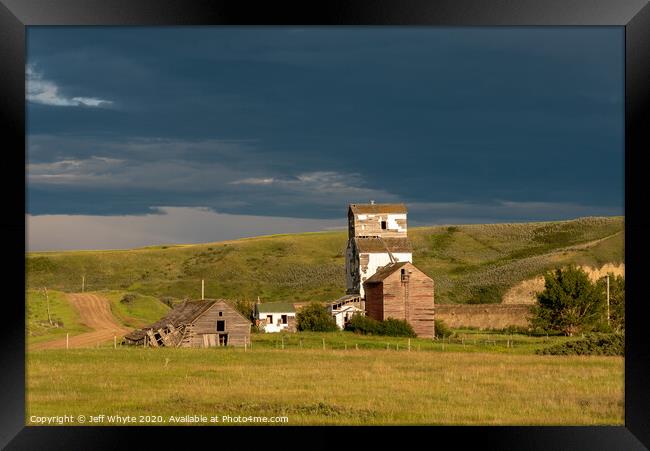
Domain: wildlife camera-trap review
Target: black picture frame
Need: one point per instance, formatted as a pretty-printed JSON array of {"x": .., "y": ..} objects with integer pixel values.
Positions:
[{"x": 634, "y": 15}]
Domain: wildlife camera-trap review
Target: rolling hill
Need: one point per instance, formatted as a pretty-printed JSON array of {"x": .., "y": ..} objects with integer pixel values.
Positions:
[{"x": 469, "y": 263}]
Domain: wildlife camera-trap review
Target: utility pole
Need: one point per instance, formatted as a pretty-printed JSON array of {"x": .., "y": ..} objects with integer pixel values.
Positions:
[
  {"x": 47, "y": 300},
  {"x": 608, "y": 299},
  {"x": 83, "y": 283}
]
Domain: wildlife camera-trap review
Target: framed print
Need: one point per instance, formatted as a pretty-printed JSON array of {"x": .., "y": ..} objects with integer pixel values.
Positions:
[{"x": 276, "y": 218}]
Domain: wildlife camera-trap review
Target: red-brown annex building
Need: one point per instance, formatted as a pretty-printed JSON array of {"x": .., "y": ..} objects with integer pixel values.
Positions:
[{"x": 399, "y": 290}]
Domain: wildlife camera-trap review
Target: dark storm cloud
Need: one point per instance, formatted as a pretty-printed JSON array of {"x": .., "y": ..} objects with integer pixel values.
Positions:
[{"x": 297, "y": 122}]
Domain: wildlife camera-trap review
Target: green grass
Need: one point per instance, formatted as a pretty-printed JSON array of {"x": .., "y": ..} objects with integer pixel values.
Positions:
[
  {"x": 142, "y": 310},
  {"x": 463, "y": 340},
  {"x": 314, "y": 386},
  {"x": 476, "y": 263},
  {"x": 64, "y": 316},
  {"x": 138, "y": 312}
]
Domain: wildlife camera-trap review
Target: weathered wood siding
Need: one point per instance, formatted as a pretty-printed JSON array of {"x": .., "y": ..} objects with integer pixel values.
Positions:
[
  {"x": 237, "y": 327},
  {"x": 370, "y": 225},
  {"x": 374, "y": 300},
  {"x": 410, "y": 300}
]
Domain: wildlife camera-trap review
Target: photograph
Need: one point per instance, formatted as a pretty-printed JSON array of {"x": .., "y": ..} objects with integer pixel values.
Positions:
[{"x": 325, "y": 225}]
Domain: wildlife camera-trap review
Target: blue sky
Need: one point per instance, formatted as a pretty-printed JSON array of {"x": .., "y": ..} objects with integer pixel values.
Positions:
[{"x": 291, "y": 124}]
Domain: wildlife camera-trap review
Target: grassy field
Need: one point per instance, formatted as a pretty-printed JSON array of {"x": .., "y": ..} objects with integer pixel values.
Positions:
[
  {"x": 475, "y": 263},
  {"x": 138, "y": 312},
  {"x": 331, "y": 386},
  {"x": 463, "y": 340},
  {"x": 65, "y": 319}
]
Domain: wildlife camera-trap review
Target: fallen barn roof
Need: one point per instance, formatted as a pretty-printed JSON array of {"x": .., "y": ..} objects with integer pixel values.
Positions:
[
  {"x": 181, "y": 314},
  {"x": 385, "y": 271},
  {"x": 378, "y": 245},
  {"x": 377, "y": 208}
]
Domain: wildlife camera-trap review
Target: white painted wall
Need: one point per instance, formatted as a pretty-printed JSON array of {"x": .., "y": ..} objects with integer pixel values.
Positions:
[
  {"x": 377, "y": 260},
  {"x": 392, "y": 222},
  {"x": 275, "y": 327},
  {"x": 339, "y": 315}
]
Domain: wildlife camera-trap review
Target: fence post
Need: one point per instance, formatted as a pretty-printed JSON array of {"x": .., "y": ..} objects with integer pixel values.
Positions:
[
  {"x": 409, "y": 344},
  {"x": 67, "y": 340},
  {"x": 114, "y": 341},
  {"x": 323, "y": 343},
  {"x": 356, "y": 345}
]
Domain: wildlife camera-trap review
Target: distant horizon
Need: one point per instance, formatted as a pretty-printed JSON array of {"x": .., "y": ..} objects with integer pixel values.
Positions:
[
  {"x": 333, "y": 229},
  {"x": 139, "y": 135}
]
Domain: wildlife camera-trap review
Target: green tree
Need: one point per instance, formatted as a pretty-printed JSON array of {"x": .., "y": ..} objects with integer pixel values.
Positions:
[
  {"x": 246, "y": 308},
  {"x": 616, "y": 300},
  {"x": 570, "y": 302},
  {"x": 316, "y": 318}
]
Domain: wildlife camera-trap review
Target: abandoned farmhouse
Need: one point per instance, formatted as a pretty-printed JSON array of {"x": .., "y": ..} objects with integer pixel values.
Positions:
[
  {"x": 382, "y": 282},
  {"x": 196, "y": 324},
  {"x": 275, "y": 316}
]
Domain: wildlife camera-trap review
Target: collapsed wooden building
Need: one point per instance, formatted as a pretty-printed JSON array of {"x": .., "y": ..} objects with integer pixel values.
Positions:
[{"x": 195, "y": 324}]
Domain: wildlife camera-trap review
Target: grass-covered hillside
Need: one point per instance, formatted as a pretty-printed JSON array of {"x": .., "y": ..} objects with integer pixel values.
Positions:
[
  {"x": 130, "y": 309},
  {"x": 469, "y": 263}
]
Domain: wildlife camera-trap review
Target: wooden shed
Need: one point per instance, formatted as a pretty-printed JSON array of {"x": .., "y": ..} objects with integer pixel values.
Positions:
[
  {"x": 401, "y": 291},
  {"x": 196, "y": 324}
]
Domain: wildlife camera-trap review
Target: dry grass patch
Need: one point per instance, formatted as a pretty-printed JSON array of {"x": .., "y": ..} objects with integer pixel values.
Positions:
[{"x": 330, "y": 387}]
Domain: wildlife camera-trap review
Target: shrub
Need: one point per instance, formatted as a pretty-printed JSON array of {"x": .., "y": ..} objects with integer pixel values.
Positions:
[
  {"x": 363, "y": 325},
  {"x": 396, "y": 328},
  {"x": 315, "y": 317},
  {"x": 390, "y": 327},
  {"x": 617, "y": 300},
  {"x": 570, "y": 302},
  {"x": 592, "y": 344},
  {"x": 441, "y": 329},
  {"x": 167, "y": 300},
  {"x": 246, "y": 308},
  {"x": 128, "y": 298}
]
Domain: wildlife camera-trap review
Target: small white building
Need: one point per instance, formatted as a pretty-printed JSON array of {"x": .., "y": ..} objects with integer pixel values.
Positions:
[
  {"x": 345, "y": 308},
  {"x": 275, "y": 316}
]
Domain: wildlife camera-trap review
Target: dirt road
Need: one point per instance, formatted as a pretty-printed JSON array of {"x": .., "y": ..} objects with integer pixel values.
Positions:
[{"x": 94, "y": 312}]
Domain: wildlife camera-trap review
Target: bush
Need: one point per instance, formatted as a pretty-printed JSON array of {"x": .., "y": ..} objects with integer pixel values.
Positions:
[
  {"x": 592, "y": 344},
  {"x": 363, "y": 325},
  {"x": 315, "y": 317},
  {"x": 570, "y": 302},
  {"x": 168, "y": 301},
  {"x": 246, "y": 308},
  {"x": 441, "y": 329},
  {"x": 390, "y": 327},
  {"x": 396, "y": 328},
  {"x": 617, "y": 301},
  {"x": 128, "y": 298}
]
